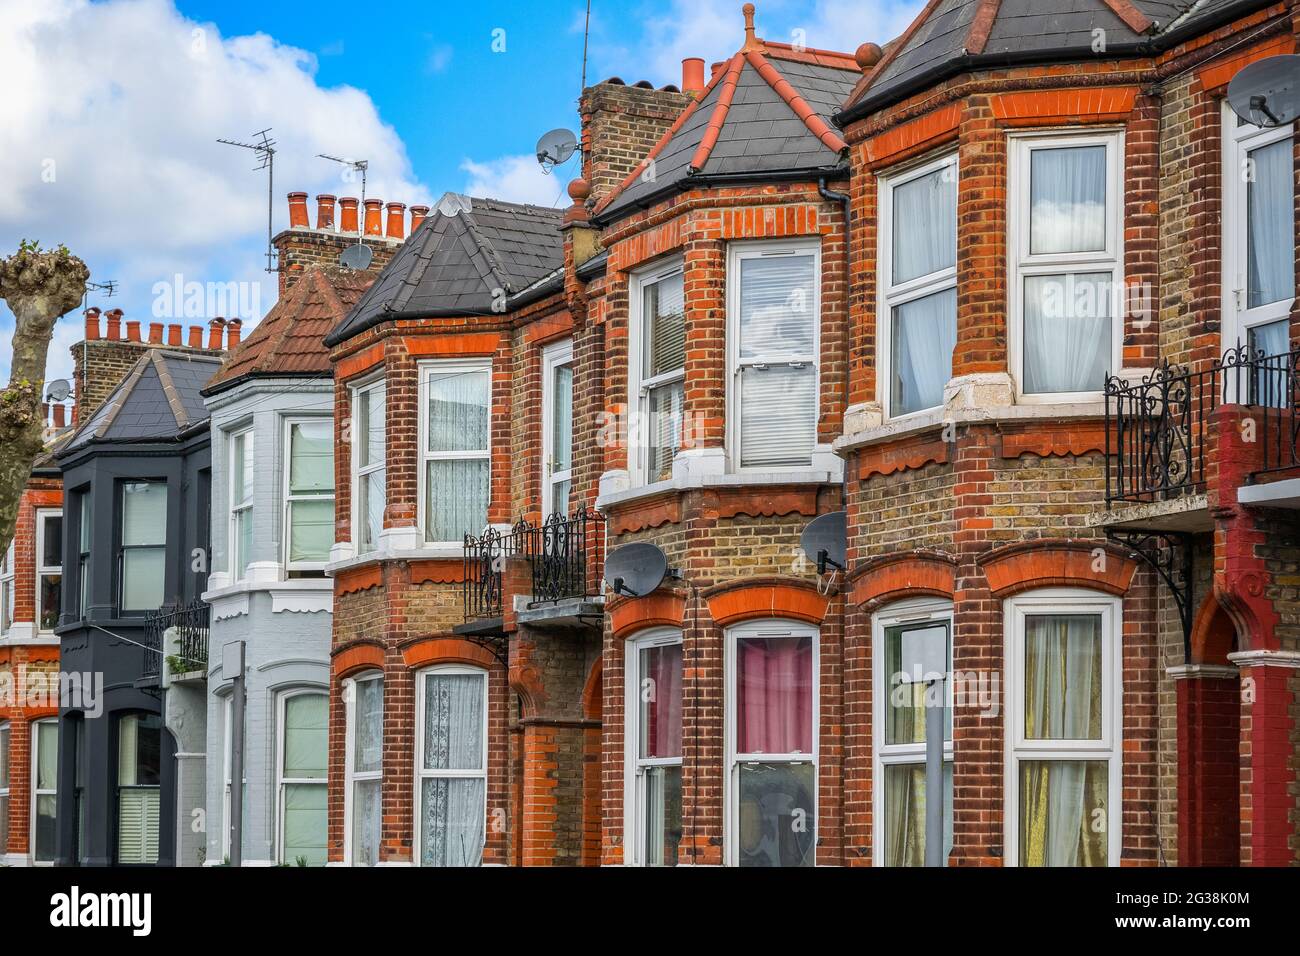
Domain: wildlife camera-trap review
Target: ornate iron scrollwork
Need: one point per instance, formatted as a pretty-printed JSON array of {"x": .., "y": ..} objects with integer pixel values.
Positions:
[{"x": 1169, "y": 554}]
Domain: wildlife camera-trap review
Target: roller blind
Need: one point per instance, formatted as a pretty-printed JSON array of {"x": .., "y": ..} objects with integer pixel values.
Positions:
[
  {"x": 665, "y": 325},
  {"x": 311, "y": 458}
]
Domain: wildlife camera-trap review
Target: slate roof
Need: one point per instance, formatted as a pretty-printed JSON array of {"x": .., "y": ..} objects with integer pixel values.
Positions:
[
  {"x": 951, "y": 35},
  {"x": 459, "y": 261},
  {"x": 767, "y": 110},
  {"x": 159, "y": 400},
  {"x": 290, "y": 339}
]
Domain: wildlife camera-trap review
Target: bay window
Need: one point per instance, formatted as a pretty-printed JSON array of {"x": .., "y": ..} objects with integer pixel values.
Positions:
[
  {"x": 139, "y": 763},
  {"x": 7, "y": 590},
  {"x": 4, "y": 788},
  {"x": 451, "y": 766},
  {"x": 368, "y": 465},
  {"x": 301, "y": 786},
  {"x": 364, "y": 764},
  {"x": 45, "y": 788},
  {"x": 1066, "y": 245},
  {"x": 455, "y": 408},
  {"x": 1064, "y": 720},
  {"x": 49, "y": 568},
  {"x": 772, "y": 744},
  {"x": 654, "y": 737},
  {"x": 241, "y": 503},
  {"x": 309, "y": 494},
  {"x": 143, "y": 560},
  {"x": 656, "y": 372},
  {"x": 774, "y": 304},
  {"x": 918, "y": 266},
  {"x": 899, "y": 726}
]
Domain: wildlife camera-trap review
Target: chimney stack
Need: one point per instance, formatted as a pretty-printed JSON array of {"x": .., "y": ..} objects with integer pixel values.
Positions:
[
  {"x": 418, "y": 215},
  {"x": 233, "y": 333},
  {"x": 348, "y": 214},
  {"x": 693, "y": 76},
  {"x": 214, "y": 332},
  {"x": 297, "y": 210},
  {"x": 373, "y": 216},
  {"x": 396, "y": 220},
  {"x": 325, "y": 211}
]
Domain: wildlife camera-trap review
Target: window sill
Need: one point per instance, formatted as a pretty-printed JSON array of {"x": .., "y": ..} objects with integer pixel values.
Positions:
[
  {"x": 614, "y": 499},
  {"x": 28, "y": 638},
  {"x": 293, "y": 594},
  {"x": 438, "y": 553}
]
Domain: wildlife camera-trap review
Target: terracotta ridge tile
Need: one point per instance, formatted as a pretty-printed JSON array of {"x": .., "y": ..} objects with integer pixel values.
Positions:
[{"x": 730, "y": 78}]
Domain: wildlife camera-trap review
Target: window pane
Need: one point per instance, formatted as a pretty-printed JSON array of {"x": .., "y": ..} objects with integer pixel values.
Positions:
[
  {"x": 47, "y": 755},
  {"x": 1063, "y": 812},
  {"x": 370, "y": 435},
  {"x": 311, "y": 530},
  {"x": 4, "y": 762},
  {"x": 776, "y": 307},
  {"x": 905, "y": 813},
  {"x": 777, "y": 815},
  {"x": 144, "y": 512},
  {"x": 306, "y": 732},
  {"x": 663, "y": 815},
  {"x": 243, "y": 541},
  {"x": 370, "y": 505},
  {"x": 51, "y": 594},
  {"x": 143, "y": 570},
  {"x": 1063, "y": 677},
  {"x": 241, "y": 469},
  {"x": 311, "y": 457},
  {"x": 139, "y": 750},
  {"x": 52, "y": 542},
  {"x": 456, "y": 501},
  {"x": 660, "y": 694},
  {"x": 458, "y": 410},
  {"x": 1270, "y": 225},
  {"x": 1271, "y": 379},
  {"x": 1067, "y": 332},
  {"x": 46, "y": 816},
  {"x": 665, "y": 326},
  {"x": 560, "y": 496},
  {"x": 665, "y": 430},
  {"x": 451, "y": 822},
  {"x": 905, "y": 707},
  {"x": 562, "y": 419},
  {"x": 774, "y": 692},
  {"x": 1068, "y": 200},
  {"x": 84, "y": 530},
  {"x": 778, "y": 420},
  {"x": 305, "y": 823},
  {"x": 924, "y": 333},
  {"x": 454, "y": 721},
  {"x": 925, "y": 225},
  {"x": 367, "y": 753},
  {"x": 365, "y": 822}
]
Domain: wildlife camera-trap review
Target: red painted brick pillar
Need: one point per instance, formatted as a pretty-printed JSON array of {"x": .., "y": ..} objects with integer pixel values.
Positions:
[
  {"x": 1208, "y": 731},
  {"x": 1269, "y": 682}
]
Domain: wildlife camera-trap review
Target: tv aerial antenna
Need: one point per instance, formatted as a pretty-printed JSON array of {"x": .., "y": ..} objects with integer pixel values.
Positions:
[
  {"x": 358, "y": 256},
  {"x": 108, "y": 287},
  {"x": 264, "y": 149}
]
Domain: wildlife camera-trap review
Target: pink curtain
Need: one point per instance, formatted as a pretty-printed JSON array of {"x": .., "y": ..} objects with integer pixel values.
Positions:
[
  {"x": 662, "y": 715},
  {"x": 774, "y": 695}
]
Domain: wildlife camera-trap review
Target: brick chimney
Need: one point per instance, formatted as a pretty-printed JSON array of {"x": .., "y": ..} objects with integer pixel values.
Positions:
[{"x": 620, "y": 125}]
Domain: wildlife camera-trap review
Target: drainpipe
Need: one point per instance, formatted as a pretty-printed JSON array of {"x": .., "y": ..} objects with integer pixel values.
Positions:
[{"x": 845, "y": 201}]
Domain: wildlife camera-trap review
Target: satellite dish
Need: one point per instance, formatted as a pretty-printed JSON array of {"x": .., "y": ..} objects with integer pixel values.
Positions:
[
  {"x": 555, "y": 148},
  {"x": 356, "y": 257},
  {"x": 826, "y": 541},
  {"x": 635, "y": 570},
  {"x": 58, "y": 390},
  {"x": 1267, "y": 93}
]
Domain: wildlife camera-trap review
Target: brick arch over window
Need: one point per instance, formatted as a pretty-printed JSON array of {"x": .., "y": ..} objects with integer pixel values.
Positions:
[
  {"x": 910, "y": 574},
  {"x": 446, "y": 650},
  {"x": 746, "y": 599},
  {"x": 1096, "y": 565},
  {"x": 357, "y": 657},
  {"x": 660, "y": 609}
]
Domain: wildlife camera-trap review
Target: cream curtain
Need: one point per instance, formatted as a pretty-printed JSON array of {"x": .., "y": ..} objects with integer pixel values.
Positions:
[{"x": 452, "y": 807}]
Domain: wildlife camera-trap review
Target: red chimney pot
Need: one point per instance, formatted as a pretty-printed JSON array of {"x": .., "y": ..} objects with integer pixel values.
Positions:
[
  {"x": 418, "y": 215},
  {"x": 174, "y": 334},
  {"x": 156, "y": 332},
  {"x": 324, "y": 211},
  {"x": 348, "y": 214},
  {"x": 92, "y": 324},
  {"x": 373, "y": 226},
  {"x": 133, "y": 330},
  {"x": 298, "y": 210},
  {"x": 196, "y": 336},
  {"x": 692, "y": 75},
  {"x": 214, "y": 333},
  {"x": 60, "y": 416},
  {"x": 233, "y": 333},
  {"x": 396, "y": 220},
  {"x": 114, "y": 324}
]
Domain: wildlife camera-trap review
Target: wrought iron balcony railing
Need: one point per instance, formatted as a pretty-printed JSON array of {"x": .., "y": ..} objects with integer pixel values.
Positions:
[
  {"x": 485, "y": 563},
  {"x": 1275, "y": 382},
  {"x": 190, "y": 622}
]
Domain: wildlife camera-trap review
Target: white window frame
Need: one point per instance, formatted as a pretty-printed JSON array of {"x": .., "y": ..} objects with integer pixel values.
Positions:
[
  {"x": 1238, "y": 142},
  {"x": 891, "y": 296},
  {"x": 43, "y": 569},
  {"x": 421, "y": 774},
  {"x": 6, "y": 782},
  {"x": 350, "y": 774},
  {"x": 638, "y": 431},
  {"x": 286, "y": 521},
  {"x": 8, "y": 589},
  {"x": 769, "y": 627},
  {"x": 236, "y": 509},
  {"x": 554, "y": 356},
  {"x": 38, "y": 727},
  {"x": 633, "y": 765},
  {"x": 917, "y": 611},
  {"x": 281, "y": 781},
  {"x": 738, "y": 252},
  {"x": 358, "y": 393},
  {"x": 1021, "y": 264},
  {"x": 1109, "y": 748},
  {"x": 426, "y": 370}
]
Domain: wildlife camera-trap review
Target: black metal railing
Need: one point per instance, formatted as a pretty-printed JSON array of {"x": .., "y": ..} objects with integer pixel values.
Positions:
[
  {"x": 485, "y": 564},
  {"x": 190, "y": 621},
  {"x": 568, "y": 556},
  {"x": 1275, "y": 384}
]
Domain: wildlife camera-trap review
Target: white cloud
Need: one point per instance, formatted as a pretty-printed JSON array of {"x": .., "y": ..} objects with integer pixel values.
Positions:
[
  {"x": 516, "y": 179},
  {"x": 123, "y": 101}
]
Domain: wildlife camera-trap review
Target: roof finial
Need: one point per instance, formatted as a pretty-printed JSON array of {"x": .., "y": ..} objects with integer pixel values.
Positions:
[{"x": 751, "y": 41}]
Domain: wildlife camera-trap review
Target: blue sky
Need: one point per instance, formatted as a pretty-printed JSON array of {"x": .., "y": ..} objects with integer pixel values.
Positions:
[{"x": 109, "y": 143}]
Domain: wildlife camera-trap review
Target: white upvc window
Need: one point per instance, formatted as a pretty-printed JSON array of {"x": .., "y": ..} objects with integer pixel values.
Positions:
[
  {"x": 49, "y": 568},
  {"x": 653, "y": 784},
  {"x": 1259, "y": 235},
  {"x": 242, "y": 481},
  {"x": 4, "y": 787},
  {"x": 369, "y": 438},
  {"x": 773, "y": 336},
  {"x": 301, "y": 767},
  {"x": 308, "y": 493},
  {"x": 45, "y": 788},
  {"x": 1066, "y": 262},
  {"x": 143, "y": 559},
  {"x": 557, "y": 428},
  {"x": 1064, "y": 726},
  {"x": 363, "y": 697},
  {"x": 455, "y": 449},
  {"x": 451, "y": 750},
  {"x": 899, "y": 728},
  {"x": 656, "y": 371},
  {"x": 918, "y": 285},
  {"x": 7, "y": 590},
  {"x": 771, "y": 744}
]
